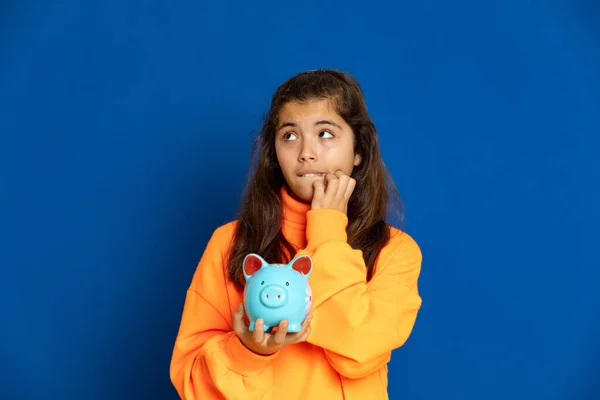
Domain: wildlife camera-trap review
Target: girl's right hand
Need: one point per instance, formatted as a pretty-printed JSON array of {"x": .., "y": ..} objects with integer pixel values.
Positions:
[
  {"x": 264, "y": 343},
  {"x": 333, "y": 192}
]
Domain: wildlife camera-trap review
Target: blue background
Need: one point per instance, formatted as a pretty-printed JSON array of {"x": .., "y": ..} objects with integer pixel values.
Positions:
[{"x": 125, "y": 133}]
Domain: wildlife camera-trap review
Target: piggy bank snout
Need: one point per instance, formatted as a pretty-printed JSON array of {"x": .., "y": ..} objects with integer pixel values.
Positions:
[{"x": 273, "y": 296}]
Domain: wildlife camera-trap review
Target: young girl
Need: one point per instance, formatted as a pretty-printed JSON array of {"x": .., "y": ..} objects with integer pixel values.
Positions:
[{"x": 319, "y": 187}]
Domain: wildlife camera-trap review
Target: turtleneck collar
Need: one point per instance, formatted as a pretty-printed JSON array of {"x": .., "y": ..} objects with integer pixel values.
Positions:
[
  {"x": 294, "y": 211},
  {"x": 299, "y": 223}
]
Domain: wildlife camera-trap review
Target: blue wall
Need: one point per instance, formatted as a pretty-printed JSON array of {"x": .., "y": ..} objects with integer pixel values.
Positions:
[{"x": 125, "y": 130}]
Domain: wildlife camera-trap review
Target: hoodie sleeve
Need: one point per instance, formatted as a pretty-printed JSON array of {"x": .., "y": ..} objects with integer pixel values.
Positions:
[
  {"x": 209, "y": 361},
  {"x": 358, "y": 324}
]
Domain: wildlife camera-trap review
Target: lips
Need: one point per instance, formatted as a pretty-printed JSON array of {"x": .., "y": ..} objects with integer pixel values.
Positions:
[{"x": 310, "y": 173}]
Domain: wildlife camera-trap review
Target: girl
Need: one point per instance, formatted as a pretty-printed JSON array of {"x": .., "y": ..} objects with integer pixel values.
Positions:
[{"x": 319, "y": 187}]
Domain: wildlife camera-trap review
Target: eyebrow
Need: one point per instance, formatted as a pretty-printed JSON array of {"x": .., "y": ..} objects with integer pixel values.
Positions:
[{"x": 321, "y": 122}]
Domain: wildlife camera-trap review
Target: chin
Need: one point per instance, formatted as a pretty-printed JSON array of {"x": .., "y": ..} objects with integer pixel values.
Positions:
[{"x": 303, "y": 194}]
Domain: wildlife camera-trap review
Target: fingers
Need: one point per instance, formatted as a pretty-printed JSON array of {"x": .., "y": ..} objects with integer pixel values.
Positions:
[
  {"x": 304, "y": 336},
  {"x": 304, "y": 332},
  {"x": 319, "y": 187},
  {"x": 265, "y": 343},
  {"x": 345, "y": 181},
  {"x": 350, "y": 188},
  {"x": 347, "y": 185},
  {"x": 270, "y": 342},
  {"x": 238, "y": 320},
  {"x": 278, "y": 338},
  {"x": 334, "y": 192},
  {"x": 319, "y": 193},
  {"x": 339, "y": 188},
  {"x": 305, "y": 325},
  {"x": 258, "y": 334},
  {"x": 333, "y": 184},
  {"x": 242, "y": 330}
]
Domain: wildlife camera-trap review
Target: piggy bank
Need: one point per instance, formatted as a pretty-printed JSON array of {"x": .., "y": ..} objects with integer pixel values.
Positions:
[{"x": 276, "y": 292}]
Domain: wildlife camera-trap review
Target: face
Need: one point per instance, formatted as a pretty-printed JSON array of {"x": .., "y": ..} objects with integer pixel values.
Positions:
[{"x": 312, "y": 140}]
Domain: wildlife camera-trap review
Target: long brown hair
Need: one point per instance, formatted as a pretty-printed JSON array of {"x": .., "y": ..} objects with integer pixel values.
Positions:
[{"x": 258, "y": 229}]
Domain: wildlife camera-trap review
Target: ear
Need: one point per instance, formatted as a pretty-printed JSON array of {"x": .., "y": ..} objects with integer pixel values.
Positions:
[
  {"x": 357, "y": 159},
  {"x": 302, "y": 264},
  {"x": 252, "y": 263}
]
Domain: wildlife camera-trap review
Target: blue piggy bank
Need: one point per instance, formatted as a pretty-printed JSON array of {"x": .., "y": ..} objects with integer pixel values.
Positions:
[{"x": 276, "y": 292}]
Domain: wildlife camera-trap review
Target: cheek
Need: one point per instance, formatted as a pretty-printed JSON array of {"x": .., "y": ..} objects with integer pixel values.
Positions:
[
  {"x": 339, "y": 158},
  {"x": 285, "y": 160}
]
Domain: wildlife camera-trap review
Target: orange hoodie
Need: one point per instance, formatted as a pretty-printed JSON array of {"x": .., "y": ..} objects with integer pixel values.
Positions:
[{"x": 354, "y": 329}]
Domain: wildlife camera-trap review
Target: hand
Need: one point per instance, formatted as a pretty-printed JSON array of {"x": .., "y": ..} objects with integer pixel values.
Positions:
[
  {"x": 264, "y": 343},
  {"x": 337, "y": 193}
]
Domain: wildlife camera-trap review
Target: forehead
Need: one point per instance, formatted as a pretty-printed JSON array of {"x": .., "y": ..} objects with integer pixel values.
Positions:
[{"x": 308, "y": 111}]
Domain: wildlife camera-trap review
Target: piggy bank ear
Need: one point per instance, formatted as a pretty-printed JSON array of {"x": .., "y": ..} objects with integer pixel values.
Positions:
[
  {"x": 252, "y": 263},
  {"x": 302, "y": 264}
]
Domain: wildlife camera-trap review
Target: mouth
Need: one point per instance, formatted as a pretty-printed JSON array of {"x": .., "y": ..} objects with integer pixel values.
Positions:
[{"x": 311, "y": 174}]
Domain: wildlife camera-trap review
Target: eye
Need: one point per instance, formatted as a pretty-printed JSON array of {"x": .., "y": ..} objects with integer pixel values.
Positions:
[
  {"x": 262, "y": 283},
  {"x": 289, "y": 136},
  {"x": 325, "y": 133},
  {"x": 287, "y": 284}
]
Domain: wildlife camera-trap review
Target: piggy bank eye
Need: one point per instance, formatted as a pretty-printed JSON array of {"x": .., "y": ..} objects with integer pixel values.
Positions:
[
  {"x": 287, "y": 284},
  {"x": 262, "y": 283}
]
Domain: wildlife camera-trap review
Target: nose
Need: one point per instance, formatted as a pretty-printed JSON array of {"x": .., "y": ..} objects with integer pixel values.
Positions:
[
  {"x": 273, "y": 296},
  {"x": 308, "y": 152}
]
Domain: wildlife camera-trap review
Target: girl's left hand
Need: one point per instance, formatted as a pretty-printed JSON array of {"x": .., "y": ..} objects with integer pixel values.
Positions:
[{"x": 336, "y": 194}]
